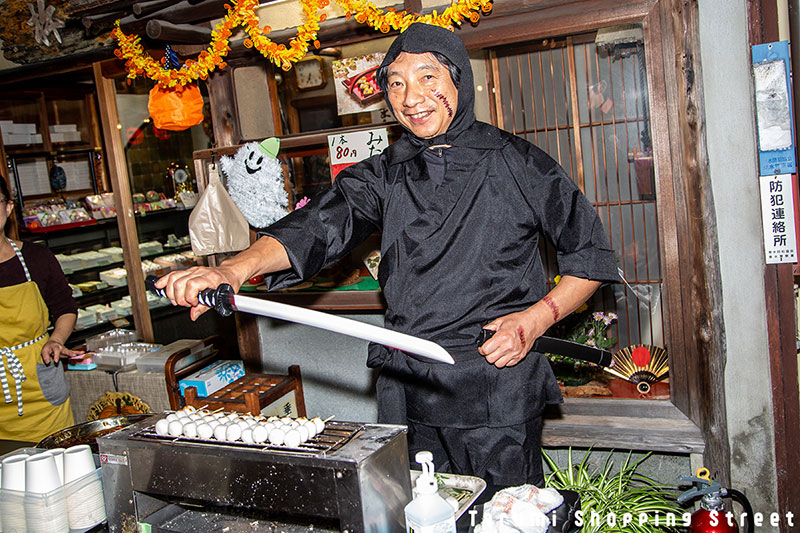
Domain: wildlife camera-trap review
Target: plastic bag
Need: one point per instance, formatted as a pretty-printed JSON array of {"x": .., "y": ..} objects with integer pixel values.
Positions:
[
  {"x": 216, "y": 225},
  {"x": 521, "y": 509},
  {"x": 176, "y": 108}
]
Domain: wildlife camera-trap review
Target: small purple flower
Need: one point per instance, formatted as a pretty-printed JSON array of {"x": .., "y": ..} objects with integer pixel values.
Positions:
[
  {"x": 303, "y": 201},
  {"x": 590, "y": 342},
  {"x": 598, "y": 316},
  {"x": 591, "y": 332}
]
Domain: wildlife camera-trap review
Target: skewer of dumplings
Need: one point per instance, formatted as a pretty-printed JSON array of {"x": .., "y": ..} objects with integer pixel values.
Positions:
[{"x": 234, "y": 427}]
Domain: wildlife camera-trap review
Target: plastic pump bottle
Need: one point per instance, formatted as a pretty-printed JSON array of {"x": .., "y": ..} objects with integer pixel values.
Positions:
[{"x": 428, "y": 512}]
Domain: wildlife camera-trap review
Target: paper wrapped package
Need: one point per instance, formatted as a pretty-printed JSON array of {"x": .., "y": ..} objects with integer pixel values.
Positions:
[{"x": 216, "y": 225}]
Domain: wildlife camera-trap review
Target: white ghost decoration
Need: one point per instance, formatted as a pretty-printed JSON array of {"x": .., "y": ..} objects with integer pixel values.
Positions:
[{"x": 255, "y": 182}]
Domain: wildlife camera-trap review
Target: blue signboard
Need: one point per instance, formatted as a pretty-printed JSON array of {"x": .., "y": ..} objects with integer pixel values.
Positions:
[{"x": 773, "y": 95}]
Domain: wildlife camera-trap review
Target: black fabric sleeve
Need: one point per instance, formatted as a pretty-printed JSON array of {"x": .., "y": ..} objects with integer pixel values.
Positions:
[
  {"x": 323, "y": 231},
  {"x": 568, "y": 220}
]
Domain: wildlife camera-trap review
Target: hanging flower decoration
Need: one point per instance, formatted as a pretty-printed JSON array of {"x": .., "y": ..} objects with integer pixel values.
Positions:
[{"x": 243, "y": 13}]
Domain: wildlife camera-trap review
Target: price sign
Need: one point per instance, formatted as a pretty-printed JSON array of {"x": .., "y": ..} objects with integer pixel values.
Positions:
[
  {"x": 777, "y": 214},
  {"x": 350, "y": 148}
]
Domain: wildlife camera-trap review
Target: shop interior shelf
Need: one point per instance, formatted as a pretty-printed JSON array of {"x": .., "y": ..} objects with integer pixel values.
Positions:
[{"x": 116, "y": 264}]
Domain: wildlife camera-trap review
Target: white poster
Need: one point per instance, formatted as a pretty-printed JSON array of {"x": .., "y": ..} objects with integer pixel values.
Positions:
[
  {"x": 777, "y": 214},
  {"x": 349, "y": 148}
]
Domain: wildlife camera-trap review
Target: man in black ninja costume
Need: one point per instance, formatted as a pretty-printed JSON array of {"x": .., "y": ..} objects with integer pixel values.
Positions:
[{"x": 461, "y": 206}]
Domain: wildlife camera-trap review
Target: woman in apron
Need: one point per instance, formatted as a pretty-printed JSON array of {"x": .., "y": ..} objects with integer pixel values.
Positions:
[{"x": 35, "y": 394}]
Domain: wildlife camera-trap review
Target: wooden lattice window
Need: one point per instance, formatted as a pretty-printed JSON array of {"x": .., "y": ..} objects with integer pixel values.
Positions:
[{"x": 583, "y": 99}]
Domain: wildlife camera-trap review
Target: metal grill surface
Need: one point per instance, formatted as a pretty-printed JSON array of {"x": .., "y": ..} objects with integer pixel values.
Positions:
[{"x": 335, "y": 435}]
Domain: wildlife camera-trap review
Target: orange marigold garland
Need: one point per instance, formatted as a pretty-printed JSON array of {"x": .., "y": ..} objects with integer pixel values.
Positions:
[{"x": 243, "y": 13}]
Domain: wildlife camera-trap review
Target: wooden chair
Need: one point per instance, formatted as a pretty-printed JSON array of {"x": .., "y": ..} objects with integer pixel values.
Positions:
[{"x": 249, "y": 394}]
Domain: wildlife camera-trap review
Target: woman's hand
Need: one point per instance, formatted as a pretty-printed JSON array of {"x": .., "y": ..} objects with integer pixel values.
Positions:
[{"x": 54, "y": 350}]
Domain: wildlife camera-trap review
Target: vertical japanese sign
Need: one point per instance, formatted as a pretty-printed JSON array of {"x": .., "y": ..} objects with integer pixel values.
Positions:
[
  {"x": 777, "y": 214},
  {"x": 772, "y": 77},
  {"x": 349, "y": 148}
]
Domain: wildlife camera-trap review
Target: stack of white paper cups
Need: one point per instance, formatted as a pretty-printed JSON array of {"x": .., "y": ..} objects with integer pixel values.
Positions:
[
  {"x": 85, "y": 503},
  {"x": 41, "y": 479},
  {"x": 12, "y": 513}
]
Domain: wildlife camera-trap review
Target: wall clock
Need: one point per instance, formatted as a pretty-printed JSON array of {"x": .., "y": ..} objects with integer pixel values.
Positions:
[{"x": 310, "y": 74}]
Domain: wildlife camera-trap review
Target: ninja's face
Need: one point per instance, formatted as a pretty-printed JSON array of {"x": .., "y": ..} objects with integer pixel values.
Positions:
[
  {"x": 422, "y": 94},
  {"x": 254, "y": 161}
]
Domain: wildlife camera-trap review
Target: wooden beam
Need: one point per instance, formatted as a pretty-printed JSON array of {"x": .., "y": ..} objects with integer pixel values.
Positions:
[
  {"x": 412, "y": 6},
  {"x": 120, "y": 184},
  {"x": 13, "y": 228},
  {"x": 781, "y": 329},
  {"x": 222, "y": 99},
  {"x": 102, "y": 20},
  {"x": 178, "y": 13},
  {"x": 100, "y": 6},
  {"x": 178, "y": 33},
  {"x": 145, "y": 8}
]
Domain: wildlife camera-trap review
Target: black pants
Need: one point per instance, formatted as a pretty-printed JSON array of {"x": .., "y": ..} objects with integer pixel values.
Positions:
[{"x": 503, "y": 457}]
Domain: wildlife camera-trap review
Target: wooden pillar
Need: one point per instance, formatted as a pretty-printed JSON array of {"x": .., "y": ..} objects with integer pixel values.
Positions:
[
  {"x": 781, "y": 327},
  {"x": 11, "y": 223},
  {"x": 702, "y": 385},
  {"x": 120, "y": 184}
]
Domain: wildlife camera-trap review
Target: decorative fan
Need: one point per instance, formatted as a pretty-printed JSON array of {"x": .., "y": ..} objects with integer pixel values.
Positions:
[{"x": 640, "y": 364}]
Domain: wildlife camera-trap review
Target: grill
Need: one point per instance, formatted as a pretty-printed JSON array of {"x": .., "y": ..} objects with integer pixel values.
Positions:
[
  {"x": 352, "y": 477},
  {"x": 335, "y": 435}
]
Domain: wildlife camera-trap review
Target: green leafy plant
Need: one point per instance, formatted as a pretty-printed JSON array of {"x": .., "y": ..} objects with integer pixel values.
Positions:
[
  {"x": 609, "y": 500},
  {"x": 583, "y": 328}
]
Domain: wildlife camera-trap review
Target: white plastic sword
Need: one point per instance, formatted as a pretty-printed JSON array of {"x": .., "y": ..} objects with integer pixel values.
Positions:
[{"x": 225, "y": 301}]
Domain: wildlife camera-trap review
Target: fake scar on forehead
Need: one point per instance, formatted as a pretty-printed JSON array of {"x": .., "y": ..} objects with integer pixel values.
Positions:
[{"x": 446, "y": 104}]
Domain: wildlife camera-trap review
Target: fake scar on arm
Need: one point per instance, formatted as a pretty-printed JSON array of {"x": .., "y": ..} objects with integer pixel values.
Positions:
[{"x": 553, "y": 307}]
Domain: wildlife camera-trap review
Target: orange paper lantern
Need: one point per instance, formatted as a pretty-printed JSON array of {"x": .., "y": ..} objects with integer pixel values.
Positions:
[{"x": 176, "y": 108}]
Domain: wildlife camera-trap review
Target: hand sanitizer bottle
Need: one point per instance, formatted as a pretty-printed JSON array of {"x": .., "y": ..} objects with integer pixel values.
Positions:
[{"x": 428, "y": 512}]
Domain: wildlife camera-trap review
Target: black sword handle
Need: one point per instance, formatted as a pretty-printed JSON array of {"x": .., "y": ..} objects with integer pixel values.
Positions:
[
  {"x": 220, "y": 299},
  {"x": 560, "y": 347}
]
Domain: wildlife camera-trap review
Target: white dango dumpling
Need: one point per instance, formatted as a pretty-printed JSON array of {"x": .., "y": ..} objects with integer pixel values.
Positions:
[
  {"x": 292, "y": 438},
  {"x": 286, "y": 420},
  {"x": 272, "y": 419},
  {"x": 214, "y": 423},
  {"x": 232, "y": 416},
  {"x": 190, "y": 429},
  {"x": 172, "y": 417},
  {"x": 243, "y": 424},
  {"x": 269, "y": 426},
  {"x": 276, "y": 436},
  {"x": 205, "y": 431},
  {"x": 311, "y": 427},
  {"x": 220, "y": 432},
  {"x": 162, "y": 427},
  {"x": 233, "y": 433},
  {"x": 252, "y": 423},
  {"x": 247, "y": 436},
  {"x": 175, "y": 428},
  {"x": 303, "y": 431},
  {"x": 260, "y": 434},
  {"x": 319, "y": 423}
]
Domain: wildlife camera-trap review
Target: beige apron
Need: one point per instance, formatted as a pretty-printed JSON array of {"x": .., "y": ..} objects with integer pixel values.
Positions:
[{"x": 35, "y": 400}]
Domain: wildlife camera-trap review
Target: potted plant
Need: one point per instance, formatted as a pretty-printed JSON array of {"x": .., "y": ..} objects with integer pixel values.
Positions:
[
  {"x": 613, "y": 502},
  {"x": 584, "y": 328}
]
